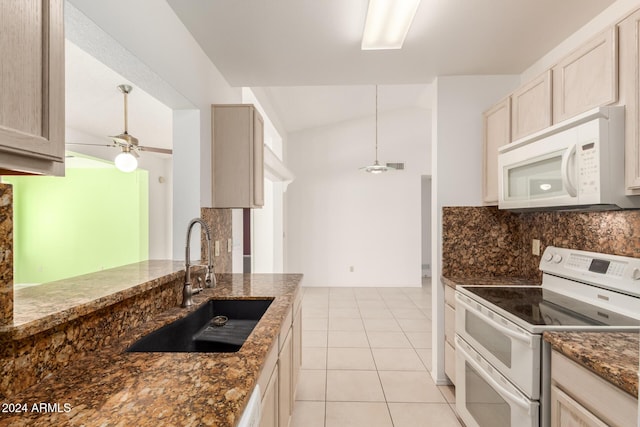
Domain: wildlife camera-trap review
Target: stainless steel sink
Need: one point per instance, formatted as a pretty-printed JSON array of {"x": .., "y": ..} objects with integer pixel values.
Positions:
[{"x": 217, "y": 326}]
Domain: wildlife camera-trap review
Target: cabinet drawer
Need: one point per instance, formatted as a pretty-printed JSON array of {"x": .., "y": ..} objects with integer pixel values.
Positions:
[
  {"x": 449, "y": 324},
  {"x": 450, "y": 296},
  {"x": 285, "y": 328},
  {"x": 609, "y": 403}
]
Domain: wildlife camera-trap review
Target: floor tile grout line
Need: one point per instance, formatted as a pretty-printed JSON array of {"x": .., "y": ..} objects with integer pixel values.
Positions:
[{"x": 412, "y": 347}]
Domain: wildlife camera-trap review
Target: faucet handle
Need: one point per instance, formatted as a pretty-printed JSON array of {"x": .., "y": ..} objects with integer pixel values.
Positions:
[{"x": 199, "y": 288}]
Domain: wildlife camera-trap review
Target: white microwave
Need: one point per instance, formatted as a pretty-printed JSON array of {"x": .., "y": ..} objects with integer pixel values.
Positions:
[{"x": 577, "y": 164}]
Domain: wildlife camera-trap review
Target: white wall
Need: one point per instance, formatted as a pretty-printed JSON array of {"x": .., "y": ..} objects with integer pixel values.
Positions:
[
  {"x": 147, "y": 43},
  {"x": 339, "y": 216},
  {"x": 267, "y": 223},
  {"x": 457, "y": 169}
]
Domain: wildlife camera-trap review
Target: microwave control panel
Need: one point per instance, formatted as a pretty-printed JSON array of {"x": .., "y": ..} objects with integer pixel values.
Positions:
[{"x": 588, "y": 168}]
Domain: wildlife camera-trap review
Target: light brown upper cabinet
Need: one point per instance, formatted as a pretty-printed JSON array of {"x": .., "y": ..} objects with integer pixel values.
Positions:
[
  {"x": 531, "y": 107},
  {"x": 497, "y": 132},
  {"x": 32, "y": 87},
  {"x": 629, "y": 87},
  {"x": 587, "y": 78},
  {"x": 237, "y": 156}
]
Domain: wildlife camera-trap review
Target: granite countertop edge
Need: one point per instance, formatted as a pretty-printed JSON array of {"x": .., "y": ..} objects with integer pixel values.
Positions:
[
  {"x": 155, "y": 273},
  {"x": 613, "y": 356},
  {"x": 147, "y": 389}
]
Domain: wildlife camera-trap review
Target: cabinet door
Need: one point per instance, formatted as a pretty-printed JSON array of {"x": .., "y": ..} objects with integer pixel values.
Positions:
[
  {"x": 237, "y": 156},
  {"x": 297, "y": 349},
  {"x": 497, "y": 132},
  {"x": 629, "y": 94},
  {"x": 285, "y": 390},
  {"x": 258, "y": 160},
  {"x": 269, "y": 408},
  {"x": 450, "y": 361},
  {"x": 587, "y": 78},
  {"x": 531, "y": 107},
  {"x": 566, "y": 412},
  {"x": 32, "y": 87}
]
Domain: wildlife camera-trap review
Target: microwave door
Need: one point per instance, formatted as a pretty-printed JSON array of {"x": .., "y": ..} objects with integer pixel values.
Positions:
[{"x": 544, "y": 180}]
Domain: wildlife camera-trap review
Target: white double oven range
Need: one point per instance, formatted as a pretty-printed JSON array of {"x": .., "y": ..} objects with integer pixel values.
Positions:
[{"x": 503, "y": 364}]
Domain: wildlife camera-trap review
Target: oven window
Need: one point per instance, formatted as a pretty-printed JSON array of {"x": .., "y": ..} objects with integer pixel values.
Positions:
[
  {"x": 488, "y": 337},
  {"x": 484, "y": 404}
]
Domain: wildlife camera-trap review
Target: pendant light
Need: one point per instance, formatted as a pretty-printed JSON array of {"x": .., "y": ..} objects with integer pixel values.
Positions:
[
  {"x": 126, "y": 160},
  {"x": 376, "y": 167}
]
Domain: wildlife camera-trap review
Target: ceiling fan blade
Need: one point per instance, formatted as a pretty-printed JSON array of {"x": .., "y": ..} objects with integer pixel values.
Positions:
[
  {"x": 91, "y": 145},
  {"x": 155, "y": 150}
]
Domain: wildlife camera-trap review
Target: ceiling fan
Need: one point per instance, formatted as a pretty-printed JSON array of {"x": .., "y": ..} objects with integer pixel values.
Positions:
[{"x": 126, "y": 160}]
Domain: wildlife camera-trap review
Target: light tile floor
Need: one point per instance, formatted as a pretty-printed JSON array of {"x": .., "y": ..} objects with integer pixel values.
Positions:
[{"x": 366, "y": 358}]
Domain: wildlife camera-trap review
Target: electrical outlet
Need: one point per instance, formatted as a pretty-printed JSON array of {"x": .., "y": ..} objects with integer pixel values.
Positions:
[
  {"x": 535, "y": 247},
  {"x": 216, "y": 248},
  {"x": 351, "y": 269},
  {"x": 229, "y": 245}
]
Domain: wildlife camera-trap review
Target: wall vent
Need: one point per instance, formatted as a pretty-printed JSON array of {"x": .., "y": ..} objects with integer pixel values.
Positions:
[{"x": 396, "y": 166}]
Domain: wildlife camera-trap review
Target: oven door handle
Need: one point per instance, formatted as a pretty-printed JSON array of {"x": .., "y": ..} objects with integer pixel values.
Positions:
[
  {"x": 518, "y": 400},
  {"x": 509, "y": 332}
]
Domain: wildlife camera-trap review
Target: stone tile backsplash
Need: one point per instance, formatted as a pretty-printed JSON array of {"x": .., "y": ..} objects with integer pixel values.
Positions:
[
  {"x": 219, "y": 222},
  {"x": 485, "y": 241}
]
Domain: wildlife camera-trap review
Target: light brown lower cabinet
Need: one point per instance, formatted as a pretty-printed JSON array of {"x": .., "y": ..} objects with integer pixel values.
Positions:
[
  {"x": 450, "y": 333},
  {"x": 269, "y": 408},
  {"x": 297, "y": 345},
  {"x": 280, "y": 373},
  {"x": 285, "y": 382},
  {"x": 580, "y": 398}
]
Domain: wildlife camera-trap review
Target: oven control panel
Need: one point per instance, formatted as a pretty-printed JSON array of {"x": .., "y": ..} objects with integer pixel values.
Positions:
[{"x": 613, "y": 272}]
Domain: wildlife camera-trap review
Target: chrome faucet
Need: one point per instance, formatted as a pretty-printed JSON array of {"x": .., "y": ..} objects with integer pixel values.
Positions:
[{"x": 210, "y": 279}]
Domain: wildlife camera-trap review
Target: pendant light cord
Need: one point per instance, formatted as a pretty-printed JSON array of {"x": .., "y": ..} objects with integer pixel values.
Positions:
[
  {"x": 126, "y": 113},
  {"x": 376, "y": 124}
]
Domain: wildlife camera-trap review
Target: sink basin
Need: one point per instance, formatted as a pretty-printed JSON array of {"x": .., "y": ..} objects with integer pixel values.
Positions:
[{"x": 199, "y": 332}]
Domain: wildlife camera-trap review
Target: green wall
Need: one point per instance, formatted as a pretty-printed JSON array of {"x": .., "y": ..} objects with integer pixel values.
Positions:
[{"x": 89, "y": 220}]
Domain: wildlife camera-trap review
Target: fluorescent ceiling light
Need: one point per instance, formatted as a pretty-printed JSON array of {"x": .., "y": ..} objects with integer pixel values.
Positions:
[{"x": 387, "y": 24}]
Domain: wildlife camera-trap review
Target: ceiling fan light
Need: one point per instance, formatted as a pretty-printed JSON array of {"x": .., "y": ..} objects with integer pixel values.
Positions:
[{"x": 126, "y": 162}]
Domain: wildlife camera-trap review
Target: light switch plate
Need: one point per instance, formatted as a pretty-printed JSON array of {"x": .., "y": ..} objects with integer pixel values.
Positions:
[
  {"x": 229, "y": 245},
  {"x": 216, "y": 248},
  {"x": 535, "y": 247}
]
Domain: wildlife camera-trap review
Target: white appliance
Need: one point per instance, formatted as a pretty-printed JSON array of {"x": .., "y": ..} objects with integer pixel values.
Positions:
[
  {"x": 575, "y": 164},
  {"x": 502, "y": 364},
  {"x": 251, "y": 415}
]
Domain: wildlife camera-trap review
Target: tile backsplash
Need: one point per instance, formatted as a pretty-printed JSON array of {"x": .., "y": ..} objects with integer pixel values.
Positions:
[
  {"x": 485, "y": 241},
  {"x": 219, "y": 222}
]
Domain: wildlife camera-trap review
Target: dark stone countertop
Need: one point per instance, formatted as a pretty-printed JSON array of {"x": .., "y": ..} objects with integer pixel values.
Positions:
[
  {"x": 111, "y": 387},
  {"x": 610, "y": 355}
]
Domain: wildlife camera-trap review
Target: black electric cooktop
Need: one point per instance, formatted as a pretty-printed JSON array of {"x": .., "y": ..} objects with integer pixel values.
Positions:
[{"x": 545, "y": 309}]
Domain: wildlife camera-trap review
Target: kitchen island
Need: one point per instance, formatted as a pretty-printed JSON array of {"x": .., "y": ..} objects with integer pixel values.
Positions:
[{"x": 108, "y": 386}]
